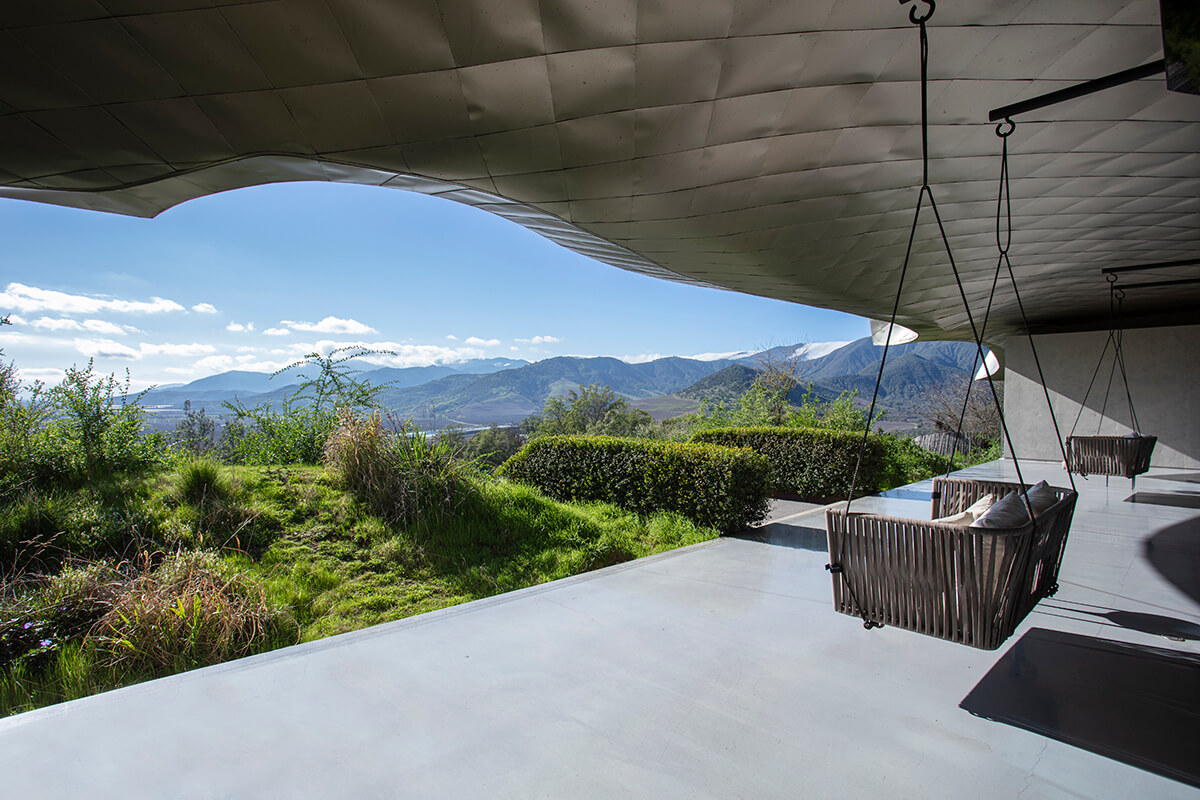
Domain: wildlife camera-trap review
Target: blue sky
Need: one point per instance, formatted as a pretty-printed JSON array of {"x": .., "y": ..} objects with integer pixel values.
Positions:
[{"x": 254, "y": 278}]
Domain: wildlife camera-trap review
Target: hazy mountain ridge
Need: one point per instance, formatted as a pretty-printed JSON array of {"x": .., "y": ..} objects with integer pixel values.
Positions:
[{"x": 507, "y": 390}]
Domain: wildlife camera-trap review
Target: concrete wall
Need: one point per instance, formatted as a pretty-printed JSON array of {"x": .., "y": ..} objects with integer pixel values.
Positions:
[{"x": 1164, "y": 378}]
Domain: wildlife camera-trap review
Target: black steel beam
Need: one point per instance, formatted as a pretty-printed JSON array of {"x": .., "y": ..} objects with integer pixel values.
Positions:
[
  {"x": 1187, "y": 262},
  {"x": 1079, "y": 90},
  {"x": 1152, "y": 284}
]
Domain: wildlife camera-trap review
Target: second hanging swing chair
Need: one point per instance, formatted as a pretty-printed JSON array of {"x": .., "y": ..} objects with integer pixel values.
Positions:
[
  {"x": 1124, "y": 456},
  {"x": 955, "y": 576}
]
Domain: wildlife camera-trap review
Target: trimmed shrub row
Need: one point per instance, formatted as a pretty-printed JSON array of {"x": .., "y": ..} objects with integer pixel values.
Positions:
[
  {"x": 721, "y": 487},
  {"x": 813, "y": 463}
]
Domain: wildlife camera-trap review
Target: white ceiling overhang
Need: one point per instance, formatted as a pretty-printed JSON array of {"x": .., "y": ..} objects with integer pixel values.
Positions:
[{"x": 761, "y": 146}]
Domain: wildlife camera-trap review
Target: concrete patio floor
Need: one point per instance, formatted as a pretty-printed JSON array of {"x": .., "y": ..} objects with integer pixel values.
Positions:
[{"x": 719, "y": 670}]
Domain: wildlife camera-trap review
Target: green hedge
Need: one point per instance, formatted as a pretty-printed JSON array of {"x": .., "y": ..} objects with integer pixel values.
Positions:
[
  {"x": 721, "y": 487},
  {"x": 813, "y": 463}
]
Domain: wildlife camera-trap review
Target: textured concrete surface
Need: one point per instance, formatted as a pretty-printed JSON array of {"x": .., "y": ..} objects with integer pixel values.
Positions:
[{"x": 716, "y": 671}]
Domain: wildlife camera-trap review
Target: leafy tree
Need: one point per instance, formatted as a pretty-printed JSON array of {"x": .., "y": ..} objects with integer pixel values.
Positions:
[
  {"x": 839, "y": 414},
  {"x": 593, "y": 409},
  {"x": 759, "y": 406},
  {"x": 296, "y": 430},
  {"x": 494, "y": 446},
  {"x": 99, "y": 425},
  {"x": 196, "y": 432},
  {"x": 778, "y": 376}
]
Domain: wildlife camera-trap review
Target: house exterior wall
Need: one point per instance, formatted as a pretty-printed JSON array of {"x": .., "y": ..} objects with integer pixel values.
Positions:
[{"x": 1164, "y": 379}]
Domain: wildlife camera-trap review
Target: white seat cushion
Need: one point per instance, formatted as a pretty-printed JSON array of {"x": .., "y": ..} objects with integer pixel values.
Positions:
[{"x": 969, "y": 515}]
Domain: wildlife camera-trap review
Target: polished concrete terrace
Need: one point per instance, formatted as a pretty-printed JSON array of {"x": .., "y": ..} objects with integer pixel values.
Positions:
[{"x": 715, "y": 671}]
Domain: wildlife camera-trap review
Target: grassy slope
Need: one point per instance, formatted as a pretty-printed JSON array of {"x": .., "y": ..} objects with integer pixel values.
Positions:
[
  {"x": 330, "y": 564},
  {"x": 338, "y": 568}
]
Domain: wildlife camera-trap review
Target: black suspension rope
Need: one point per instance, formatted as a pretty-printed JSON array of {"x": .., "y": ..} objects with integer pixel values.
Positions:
[
  {"x": 1133, "y": 420},
  {"x": 1115, "y": 340},
  {"x": 979, "y": 348},
  {"x": 962, "y": 417},
  {"x": 918, "y": 20},
  {"x": 1095, "y": 374},
  {"x": 1004, "y": 200}
]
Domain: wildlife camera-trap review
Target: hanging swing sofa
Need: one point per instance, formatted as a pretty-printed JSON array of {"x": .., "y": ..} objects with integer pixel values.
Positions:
[
  {"x": 969, "y": 585},
  {"x": 991, "y": 550},
  {"x": 1110, "y": 455},
  {"x": 1118, "y": 456}
]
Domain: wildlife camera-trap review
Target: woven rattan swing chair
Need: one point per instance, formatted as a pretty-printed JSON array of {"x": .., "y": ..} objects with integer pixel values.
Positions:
[
  {"x": 947, "y": 578},
  {"x": 1118, "y": 456}
]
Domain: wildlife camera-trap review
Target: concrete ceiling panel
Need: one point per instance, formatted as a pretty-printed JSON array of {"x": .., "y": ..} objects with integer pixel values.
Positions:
[{"x": 764, "y": 146}]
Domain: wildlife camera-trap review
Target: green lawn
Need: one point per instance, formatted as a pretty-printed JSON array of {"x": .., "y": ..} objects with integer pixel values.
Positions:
[{"x": 268, "y": 557}]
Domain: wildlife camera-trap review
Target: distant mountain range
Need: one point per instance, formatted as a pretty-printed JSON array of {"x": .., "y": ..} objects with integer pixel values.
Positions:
[{"x": 484, "y": 391}]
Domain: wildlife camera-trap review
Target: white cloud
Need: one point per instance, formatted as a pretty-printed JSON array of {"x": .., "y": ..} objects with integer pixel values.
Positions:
[
  {"x": 477, "y": 342},
  {"x": 179, "y": 370},
  {"x": 59, "y": 324},
  {"x": 718, "y": 356},
  {"x": 541, "y": 340},
  {"x": 8, "y": 337},
  {"x": 93, "y": 325},
  {"x": 277, "y": 332},
  {"x": 330, "y": 325},
  {"x": 106, "y": 348},
  {"x": 20, "y": 297},
  {"x": 641, "y": 358},
  {"x": 204, "y": 308},
  {"x": 46, "y": 375},
  {"x": 515, "y": 349},
  {"x": 215, "y": 363},
  {"x": 238, "y": 327},
  {"x": 452, "y": 337},
  {"x": 193, "y": 349},
  {"x": 400, "y": 355},
  {"x": 102, "y": 326},
  {"x": 248, "y": 363}
]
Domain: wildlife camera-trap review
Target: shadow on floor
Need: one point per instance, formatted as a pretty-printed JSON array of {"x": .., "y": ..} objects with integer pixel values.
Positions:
[
  {"x": 1131, "y": 703},
  {"x": 1175, "y": 553},
  {"x": 782, "y": 534},
  {"x": 1180, "y": 630},
  {"x": 1186, "y": 500},
  {"x": 1182, "y": 477}
]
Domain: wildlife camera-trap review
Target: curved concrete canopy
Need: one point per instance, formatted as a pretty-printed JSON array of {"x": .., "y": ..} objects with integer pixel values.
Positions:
[{"x": 762, "y": 146}]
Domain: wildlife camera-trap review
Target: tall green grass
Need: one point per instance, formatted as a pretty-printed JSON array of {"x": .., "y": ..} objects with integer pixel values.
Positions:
[
  {"x": 400, "y": 473},
  {"x": 102, "y": 625}
]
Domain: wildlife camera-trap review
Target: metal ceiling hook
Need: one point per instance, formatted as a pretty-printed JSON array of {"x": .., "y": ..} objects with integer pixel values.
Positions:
[{"x": 912, "y": 12}]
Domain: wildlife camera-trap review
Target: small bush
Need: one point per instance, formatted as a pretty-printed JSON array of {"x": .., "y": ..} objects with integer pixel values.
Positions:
[
  {"x": 42, "y": 528},
  {"x": 492, "y": 447},
  {"x": 401, "y": 474},
  {"x": 721, "y": 487},
  {"x": 57, "y": 611},
  {"x": 191, "y": 610},
  {"x": 907, "y": 462},
  {"x": 204, "y": 480},
  {"x": 815, "y": 464}
]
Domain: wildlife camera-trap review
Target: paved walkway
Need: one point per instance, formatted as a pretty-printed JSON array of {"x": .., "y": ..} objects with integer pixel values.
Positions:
[{"x": 716, "y": 671}]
